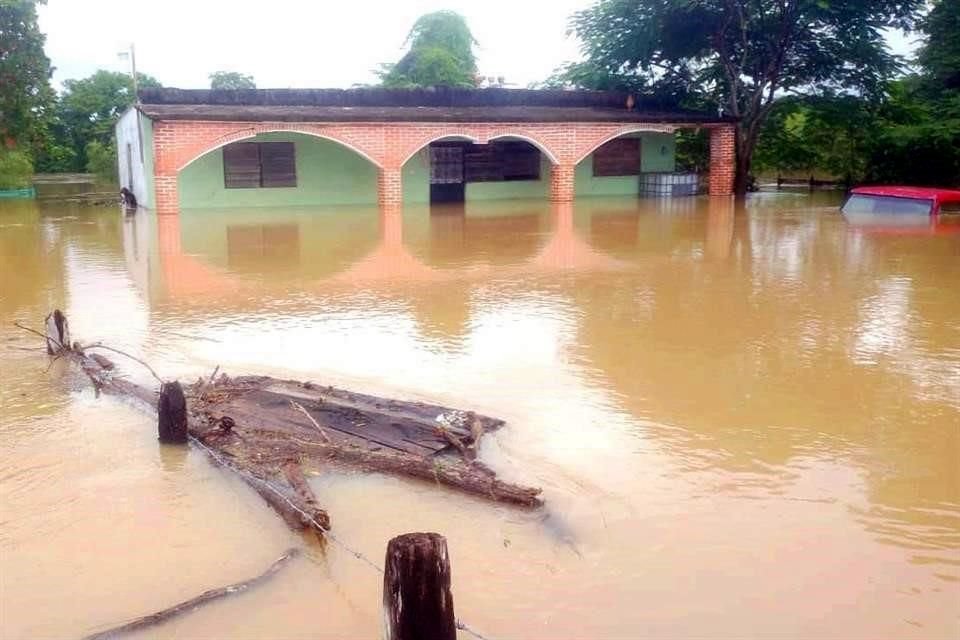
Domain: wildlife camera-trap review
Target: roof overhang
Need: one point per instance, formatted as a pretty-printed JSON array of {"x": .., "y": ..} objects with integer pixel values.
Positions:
[{"x": 412, "y": 105}]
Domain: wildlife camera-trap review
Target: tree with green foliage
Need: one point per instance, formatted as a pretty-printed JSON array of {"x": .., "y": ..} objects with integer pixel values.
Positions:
[
  {"x": 826, "y": 133},
  {"x": 89, "y": 109},
  {"x": 16, "y": 170},
  {"x": 743, "y": 54},
  {"x": 102, "y": 159},
  {"x": 940, "y": 55},
  {"x": 440, "y": 54},
  {"x": 231, "y": 80},
  {"x": 26, "y": 98},
  {"x": 918, "y": 126},
  {"x": 25, "y": 70},
  {"x": 917, "y": 136}
]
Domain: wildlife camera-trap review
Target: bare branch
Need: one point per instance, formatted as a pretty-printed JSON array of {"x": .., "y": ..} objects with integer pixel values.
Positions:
[
  {"x": 44, "y": 336},
  {"x": 185, "y": 607},
  {"x": 99, "y": 345},
  {"x": 299, "y": 407}
]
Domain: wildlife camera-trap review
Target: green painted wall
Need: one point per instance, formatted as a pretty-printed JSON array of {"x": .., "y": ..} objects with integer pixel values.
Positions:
[
  {"x": 416, "y": 178},
  {"x": 327, "y": 173},
  {"x": 513, "y": 190},
  {"x": 658, "y": 152}
]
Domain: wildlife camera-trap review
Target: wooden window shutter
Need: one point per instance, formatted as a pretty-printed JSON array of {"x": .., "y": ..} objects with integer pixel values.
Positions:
[
  {"x": 278, "y": 166},
  {"x": 618, "y": 157},
  {"x": 241, "y": 165},
  {"x": 501, "y": 161},
  {"x": 480, "y": 164},
  {"x": 520, "y": 160}
]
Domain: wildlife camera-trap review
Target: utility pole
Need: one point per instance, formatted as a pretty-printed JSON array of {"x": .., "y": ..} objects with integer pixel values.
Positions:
[
  {"x": 136, "y": 96},
  {"x": 133, "y": 72}
]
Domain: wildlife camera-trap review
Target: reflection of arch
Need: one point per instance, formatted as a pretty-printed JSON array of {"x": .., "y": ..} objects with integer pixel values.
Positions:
[
  {"x": 438, "y": 138},
  {"x": 623, "y": 131},
  {"x": 539, "y": 145},
  {"x": 252, "y": 132}
]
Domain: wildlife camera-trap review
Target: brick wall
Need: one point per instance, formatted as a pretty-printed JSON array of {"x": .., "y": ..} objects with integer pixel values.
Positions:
[{"x": 390, "y": 145}]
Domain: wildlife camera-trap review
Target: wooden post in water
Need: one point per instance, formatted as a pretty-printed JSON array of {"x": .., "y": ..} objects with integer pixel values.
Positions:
[
  {"x": 417, "y": 602},
  {"x": 172, "y": 414},
  {"x": 58, "y": 332}
]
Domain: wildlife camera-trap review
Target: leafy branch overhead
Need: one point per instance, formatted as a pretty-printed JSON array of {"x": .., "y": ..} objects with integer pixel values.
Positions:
[{"x": 741, "y": 55}]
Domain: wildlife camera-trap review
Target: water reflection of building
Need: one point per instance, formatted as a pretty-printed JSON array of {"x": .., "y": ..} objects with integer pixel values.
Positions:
[{"x": 742, "y": 341}]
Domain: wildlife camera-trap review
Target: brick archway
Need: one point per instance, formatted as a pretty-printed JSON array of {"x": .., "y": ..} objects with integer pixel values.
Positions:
[
  {"x": 606, "y": 136},
  {"x": 178, "y": 143}
]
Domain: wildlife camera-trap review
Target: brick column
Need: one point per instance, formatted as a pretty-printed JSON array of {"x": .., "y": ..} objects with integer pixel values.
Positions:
[
  {"x": 166, "y": 198},
  {"x": 561, "y": 183},
  {"x": 723, "y": 154},
  {"x": 390, "y": 187}
]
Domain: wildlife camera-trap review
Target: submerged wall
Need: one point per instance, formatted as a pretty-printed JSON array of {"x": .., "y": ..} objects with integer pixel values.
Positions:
[
  {"x": 327, "y": 174},
  {"x": 135, "y": 165}
]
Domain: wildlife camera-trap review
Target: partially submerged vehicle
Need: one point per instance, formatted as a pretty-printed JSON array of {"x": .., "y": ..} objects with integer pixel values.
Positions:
[
  {"x": 902, "y": 201},
  {"x": 912, "y": 210}
]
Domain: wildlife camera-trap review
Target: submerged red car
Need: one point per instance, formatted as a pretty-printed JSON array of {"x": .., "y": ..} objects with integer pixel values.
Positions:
[
  {"x": 903, "y": 210},
  {"x": 902, "y": 200}
]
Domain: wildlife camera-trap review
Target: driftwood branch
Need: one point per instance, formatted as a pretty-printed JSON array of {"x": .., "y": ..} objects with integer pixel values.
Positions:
[
  {"x": 100, "y": 345},
  {"x": 189, "y": 605},
  {"x": 296, "y": 405},
  {"x": 257, "y": 428},
  {"x": 34, "y": 331}
]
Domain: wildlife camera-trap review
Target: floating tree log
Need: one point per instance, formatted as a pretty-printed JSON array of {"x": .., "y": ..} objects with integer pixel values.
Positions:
[{"x": 265, "y": 429}]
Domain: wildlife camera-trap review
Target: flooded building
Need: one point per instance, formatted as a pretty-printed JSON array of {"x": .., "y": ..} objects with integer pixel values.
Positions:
[{"x": 185, "y": 149}]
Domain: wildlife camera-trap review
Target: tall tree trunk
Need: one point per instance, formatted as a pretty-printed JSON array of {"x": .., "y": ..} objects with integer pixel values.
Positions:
[{"x": 746, "y": 142}]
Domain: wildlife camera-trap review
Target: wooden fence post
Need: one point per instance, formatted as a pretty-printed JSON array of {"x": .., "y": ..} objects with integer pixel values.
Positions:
[
  {"x": 172, "y": 414},
  {"x": 417, "y": 601},
  {"x": 58, "y": 332}
]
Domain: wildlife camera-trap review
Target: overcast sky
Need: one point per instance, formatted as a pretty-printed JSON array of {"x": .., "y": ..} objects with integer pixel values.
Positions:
[{"x": 298, "y": 43}]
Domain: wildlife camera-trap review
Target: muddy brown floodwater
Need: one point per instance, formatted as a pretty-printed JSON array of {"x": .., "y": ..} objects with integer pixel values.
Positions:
[{"x": 746, "y": 423}]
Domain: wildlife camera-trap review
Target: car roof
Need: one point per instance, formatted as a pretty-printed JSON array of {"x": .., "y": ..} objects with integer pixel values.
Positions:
[{"x": 924, "y": 193}]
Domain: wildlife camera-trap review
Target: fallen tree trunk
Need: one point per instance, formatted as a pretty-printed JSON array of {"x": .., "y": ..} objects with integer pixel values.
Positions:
[
  {"x": 265, "y": 429},
  {"x": 191, "y": 604}
]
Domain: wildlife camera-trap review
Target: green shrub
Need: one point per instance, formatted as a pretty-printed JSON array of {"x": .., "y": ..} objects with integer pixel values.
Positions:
[
  {"x": 16, "y": 169},
  {"x": 102, "y": 160},
  {"x": 55, "y": 158}
]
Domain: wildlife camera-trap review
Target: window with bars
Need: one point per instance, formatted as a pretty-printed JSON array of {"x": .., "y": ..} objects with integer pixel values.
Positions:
[
  {"x": 618, "y": 157},
  {"x": 249, "y": 165}
]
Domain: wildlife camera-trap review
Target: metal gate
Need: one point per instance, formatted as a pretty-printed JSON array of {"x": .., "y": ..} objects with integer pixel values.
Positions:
[{"x": 446, "y": 173}]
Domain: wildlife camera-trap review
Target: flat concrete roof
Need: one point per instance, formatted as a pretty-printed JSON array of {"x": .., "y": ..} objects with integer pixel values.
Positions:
[
  {"x": 256, "y": 113},
  {"x": 409, "y": 105}
]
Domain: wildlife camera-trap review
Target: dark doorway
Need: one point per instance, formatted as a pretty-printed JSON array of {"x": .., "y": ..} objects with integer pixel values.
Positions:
[{"x": 446, "y": 172}]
